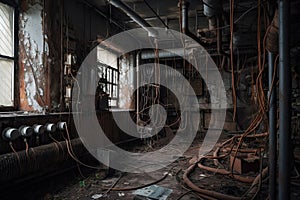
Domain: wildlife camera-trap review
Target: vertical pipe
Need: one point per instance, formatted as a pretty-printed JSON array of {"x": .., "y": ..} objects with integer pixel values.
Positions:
[
  {"x": 184, "y": 16},
  {"x": 219, "y": 35},
  {"x": 284, "y": 102},
  {"x": 61, "y": 56},
  {"x": 272, "y": 128},
  {"x": 138, "y": 60},
  {"x": 184, "y": 21},
  {"x": 196, "y": 21}
]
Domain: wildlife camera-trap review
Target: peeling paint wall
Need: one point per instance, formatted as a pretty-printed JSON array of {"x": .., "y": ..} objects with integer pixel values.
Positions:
[
  {"x": 33, "y": 48},
  {"x": 126, "y": 82},
  {"x": 42, "y": 45}
]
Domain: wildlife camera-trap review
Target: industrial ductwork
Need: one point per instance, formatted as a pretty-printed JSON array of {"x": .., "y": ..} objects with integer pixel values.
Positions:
[
  {"x": 134, "y": 16},
  {"x": 213, "y": 9},
  {"x": 184, "y": 15}
]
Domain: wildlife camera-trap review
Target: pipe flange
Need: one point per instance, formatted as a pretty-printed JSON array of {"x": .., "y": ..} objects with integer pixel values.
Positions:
[
  {"x": 50, "y": 128},
  {"x": 10, "y": 134},
  {"x": 26, "y": 131},
  {"x": 38, "y": 129}
]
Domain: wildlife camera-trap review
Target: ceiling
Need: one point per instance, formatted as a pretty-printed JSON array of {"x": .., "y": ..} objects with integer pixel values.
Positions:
[
  {"x": 167, "y": 9},
  {"x": 245, "y": 12},
  {"x": 169, "y": 12}
]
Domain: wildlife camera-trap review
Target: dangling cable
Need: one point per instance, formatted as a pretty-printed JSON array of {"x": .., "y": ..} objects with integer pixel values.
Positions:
[
  {"x": 17, "y": 155},
  {"x": 231, "y": 59},
  {"x": 26, "y": 148}
]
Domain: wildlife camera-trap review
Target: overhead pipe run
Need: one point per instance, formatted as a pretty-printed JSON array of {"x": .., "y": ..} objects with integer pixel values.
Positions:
[
  {"x": 149, "y": 54},
  {"x": 134, "y": 16},
  {"x": 121, "y": 26},
  {"x": 180, "y": 52},
  {"x": 284, "y": 101},
  {"x": 156, "y": 14}
]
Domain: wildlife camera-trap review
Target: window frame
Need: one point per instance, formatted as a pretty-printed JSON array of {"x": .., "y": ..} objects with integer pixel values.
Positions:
[
  {"x": 111, "y": 83},
  {"x": 16, "y": 89}
]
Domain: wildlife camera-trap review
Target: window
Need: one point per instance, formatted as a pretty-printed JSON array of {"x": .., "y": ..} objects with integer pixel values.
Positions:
[
  {"x": 7, "y": 55},
  {"x": 108, "y": 71}
]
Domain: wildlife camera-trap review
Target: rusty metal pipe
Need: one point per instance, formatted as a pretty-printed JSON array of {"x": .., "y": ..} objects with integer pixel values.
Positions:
[
  {"x": 226, "y": 172},
  {"x": 204, "y": 191}
]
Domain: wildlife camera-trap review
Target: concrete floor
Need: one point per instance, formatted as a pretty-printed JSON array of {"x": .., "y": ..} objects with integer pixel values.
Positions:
[{"x": 73, "y": 185}]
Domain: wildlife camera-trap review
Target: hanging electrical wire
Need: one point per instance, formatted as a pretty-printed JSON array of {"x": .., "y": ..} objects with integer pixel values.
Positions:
[
  {"x": 234, "y": 98},
  {"x": 16, "y": 154}
]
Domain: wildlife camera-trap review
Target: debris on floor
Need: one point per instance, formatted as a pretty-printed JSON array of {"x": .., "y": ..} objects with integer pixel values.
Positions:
[
  {"x": 97, "y": 196},
  {"x": 154, "y": 192}
]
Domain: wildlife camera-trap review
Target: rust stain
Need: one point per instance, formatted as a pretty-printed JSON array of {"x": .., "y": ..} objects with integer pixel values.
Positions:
[
  {"x": 23, "y": 99},
  {"x": 33, "y": 71}
]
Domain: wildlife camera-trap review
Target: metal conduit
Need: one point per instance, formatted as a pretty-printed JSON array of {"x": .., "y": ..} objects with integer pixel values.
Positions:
[
  {"x": 284, "y": 102},
  {"x": 272, "y": 128}
]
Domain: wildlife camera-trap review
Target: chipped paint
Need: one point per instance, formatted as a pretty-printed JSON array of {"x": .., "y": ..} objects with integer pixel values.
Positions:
[
  {"x": 32, "y": 50},
  {"x": 126, "y": 82}
]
